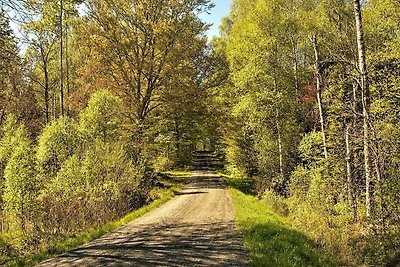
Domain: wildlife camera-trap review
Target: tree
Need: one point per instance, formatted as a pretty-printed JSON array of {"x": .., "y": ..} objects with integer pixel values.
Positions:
[
  {"x": 21, "y": 180},
  {"x": 58, "y": 141},
  {"x": 8, "y": 53},
  {"x": 15, "y": 94},
  {"x": 7, "y": 144},
  {"x": 102, "y": 118},
  {"x": 42, "y": 54},
  {"x": 42, "y": 32},
  {"x": 153, "y": 38},
  {"x": 265, "y": 96},
  {"x": 369, "y": 182}
]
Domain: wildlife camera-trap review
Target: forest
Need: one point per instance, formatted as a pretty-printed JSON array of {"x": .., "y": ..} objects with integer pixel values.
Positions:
[{"x": 300, "y": 97}]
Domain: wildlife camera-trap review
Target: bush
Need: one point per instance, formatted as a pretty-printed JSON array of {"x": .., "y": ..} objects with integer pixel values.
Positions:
[
  {"x": 163, "y": 163},
  {"x": 7, "y": 145},
  {"x": 112, "y": 180},
  {"x": 276, "y": 202},
  {"x": 63, "y": 200},
  {"x": 90, "y": 190},
  {"x": 21, "y": 180},
  {"x": 311, "y": 147},
  {"x": 57, "y": 143},
  {"x": 102, "y": 118},
  {"x": 300, "y": 182}
]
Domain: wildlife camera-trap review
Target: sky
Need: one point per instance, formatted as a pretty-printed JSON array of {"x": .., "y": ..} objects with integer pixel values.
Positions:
[{"x": 220, "y": 10}]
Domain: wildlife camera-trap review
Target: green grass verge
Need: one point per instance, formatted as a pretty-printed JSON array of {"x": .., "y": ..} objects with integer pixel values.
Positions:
[
  {"x": 269, "y": 238},
  {"x": 163, "y": 195}
]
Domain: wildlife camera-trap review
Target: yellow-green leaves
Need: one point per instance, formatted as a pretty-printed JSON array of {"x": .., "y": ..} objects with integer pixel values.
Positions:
[
  {"x": 102, "y": 119},
  {"x": 58, "y": 141},
  {"x": 21, "y": 182}
]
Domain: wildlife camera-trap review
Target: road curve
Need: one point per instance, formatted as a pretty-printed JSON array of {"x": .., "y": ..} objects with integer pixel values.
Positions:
[{"x": 195, "y": 228}]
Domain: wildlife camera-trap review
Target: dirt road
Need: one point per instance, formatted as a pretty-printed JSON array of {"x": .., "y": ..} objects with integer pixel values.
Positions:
[{"x": 193, "y": 229}]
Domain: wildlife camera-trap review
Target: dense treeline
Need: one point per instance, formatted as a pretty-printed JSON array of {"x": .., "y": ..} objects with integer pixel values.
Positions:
[
  {"x": 310, "y": 97},
  {"x": 96, "y": 97}
]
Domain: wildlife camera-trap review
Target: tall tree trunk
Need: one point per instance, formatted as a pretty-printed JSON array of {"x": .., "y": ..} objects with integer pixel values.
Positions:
[
  {"x": 67, "y": 66},
  {"x": 61, "y": 61},
  {"x": 318, "y": 76},
  {"x": 46, "y": 93},
  {"x": 46, "y": 88},
  {"x": 295, "y": 68},
  {"x": 278, "y": 128},
  {"x": 350, "y": 180},
  {"x": 177, "y": 139},
  {"x": 369, "y": 181},
  {"x": 54, "y": 104},
  {"x": 379, "y": 198},
  {"x": 2, "y": 116},
  {"x": 279, "y": 144}
]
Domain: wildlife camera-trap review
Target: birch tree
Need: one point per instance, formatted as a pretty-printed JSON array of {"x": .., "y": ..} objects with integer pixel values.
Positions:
[{"x": 362, "y": 67}]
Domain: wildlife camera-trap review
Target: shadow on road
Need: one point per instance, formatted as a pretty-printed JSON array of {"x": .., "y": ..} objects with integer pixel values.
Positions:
[{"x": 163, "y": 245}]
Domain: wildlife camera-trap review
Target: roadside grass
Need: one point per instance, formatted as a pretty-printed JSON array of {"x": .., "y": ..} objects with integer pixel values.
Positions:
[
  {"x": 173, "y": 184},
  {"x": 269, "y": 238},
  {"x": 244, "y": 185}
]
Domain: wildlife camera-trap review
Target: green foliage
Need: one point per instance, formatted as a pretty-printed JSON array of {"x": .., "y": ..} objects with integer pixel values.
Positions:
[
  {"x": 8, "y": 140},
  {"x": 253, "y": 100},
  {"x": 56, "y": 144},
  {"x": 310, "y": 148},
  {"x": 163, "y": 163},
  {"x": 8, "y": 143},
  {"x": 102, "y": 119},
  {"x": 100, "y": 185},
  {"x": 241, "y": 155},
  {"x": 266, "y": 62},
  {"x": 69, "y": 181},
  {"x": 300, "y": 182},
  {"x": 21, "y": 180},
  {"x": 108, "y": 162}
]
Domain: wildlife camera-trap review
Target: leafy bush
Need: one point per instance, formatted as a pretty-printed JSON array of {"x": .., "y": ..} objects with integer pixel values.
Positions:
[
  {"x": 21, "y": 181},
  {"x": 57, "y": 143},
  {"x": 7, "y": 145},
  {"x": 300, "y": 182},
  {"x": 91, "y": 189},
  {"x": 311, "y": 148},
  {"x": 111, "y": 179},
  {"x": 102, "y": 118}
]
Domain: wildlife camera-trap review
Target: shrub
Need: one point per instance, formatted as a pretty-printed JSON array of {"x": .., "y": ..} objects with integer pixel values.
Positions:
[
  {"x": 21, "y": 180},
  {"x": 311, "y": 147},
  {"x": 7, "y": 145},
  {"x": 112, "y": 180},
  {"x": 300, "y": 182},
  {"x": 63, "y": 200},
  {"x": 57, "y": 143},
  {"x": 102, "y": 118}
]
